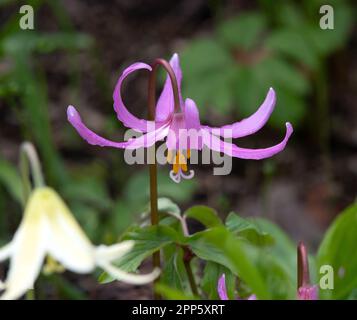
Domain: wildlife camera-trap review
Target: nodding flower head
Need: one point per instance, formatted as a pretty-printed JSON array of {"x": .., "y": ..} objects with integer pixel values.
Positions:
[
  {"x": 178, "y": 121},
  {"x": 49, "y": 229}
]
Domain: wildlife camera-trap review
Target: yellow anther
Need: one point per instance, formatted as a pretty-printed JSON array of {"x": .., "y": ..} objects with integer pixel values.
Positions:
[
  {"x": 175, "y": 168},
  {"x": 179, "y": 162},
  {"x": 188, "y": 153},
  {"x": 184, "y": 167}
]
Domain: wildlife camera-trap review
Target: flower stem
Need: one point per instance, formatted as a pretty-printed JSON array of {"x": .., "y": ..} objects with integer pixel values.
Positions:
[
  {"x": 187, "y": 263},
  {"x": 30, "y": 164},
  {"x": 303, "y": 266},
  {"x": 152, "y": 153}
]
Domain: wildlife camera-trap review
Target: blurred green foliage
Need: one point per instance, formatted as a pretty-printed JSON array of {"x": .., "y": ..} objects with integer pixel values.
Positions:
[
  {"x": 24, "y": 89},
  {"x": 279, "y": 46}
]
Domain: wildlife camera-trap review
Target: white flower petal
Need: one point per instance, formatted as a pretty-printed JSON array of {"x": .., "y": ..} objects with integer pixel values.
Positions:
[
  {"x": 67, "y": 242},
  {"x": 28, "y": 252},
  {"x": 129, "y": 277},
  {"x": 113, "y": 252},
  {"x": 5, "y": 251}
]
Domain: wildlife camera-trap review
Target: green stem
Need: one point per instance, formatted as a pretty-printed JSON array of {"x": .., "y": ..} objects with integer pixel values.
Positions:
[
  {"x": 30, "y": 164},
  {"x": 152, "y": 153}
]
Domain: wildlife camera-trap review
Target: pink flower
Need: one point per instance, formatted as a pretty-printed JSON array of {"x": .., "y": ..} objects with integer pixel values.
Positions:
[
  {"x": 222, "y": 290},
  {"x": 307, "y": 293},
  {"x": 182, "y": 128}
]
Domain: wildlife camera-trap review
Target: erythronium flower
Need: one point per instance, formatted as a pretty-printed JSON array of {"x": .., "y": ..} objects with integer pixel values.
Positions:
[
  {"x": 182, "y": 128},
  {"x": 305, "y": 291},
  {"x": 48, "y": 228},
  {"x": 222, "y": 289}
]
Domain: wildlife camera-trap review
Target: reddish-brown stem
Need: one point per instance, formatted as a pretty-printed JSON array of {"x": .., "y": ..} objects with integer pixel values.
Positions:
[
  {"x": 187, "y": 257},
  {"x": 303, "y": 266},
  {"x": 152, "y": 151},
  {"x": 152, "y": 86}
]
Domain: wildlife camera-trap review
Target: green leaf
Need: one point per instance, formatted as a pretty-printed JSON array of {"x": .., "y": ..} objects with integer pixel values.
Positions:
[
  {"x": 88, "y": 189},
  {"x": 292, "y": 43},
  {"x": 242, "y": 31},
  {"x": 220, "y": 246},
  {"x": 206, "y": 215},
  {"x": 248, "y": 230},
  {"x": 327, "y": 41},
  {"x": 279, "y": 72},
  {"x": 10, "y": 178},
  {"x": 353, "y": 295},
  {"x": 147, "y": 241},
  {"x": 338, "y": 250},
  {"x": 171, "y": 293},
  {"x": 208, "y": 81},
  {"x": 290, "y": 14},
  {"x": 174, "y": 274},
  {"x": 283, "y": 249},
  {"x": 166, "y": 205},
  {"x": 88, "y": 218},
  {"x": 211, "y": 274},
  {"x": 276, "y": 276},
  {"x": 253, "y": 84},
  {"x": 289, "y": 107},
  {"x": 27, "y": 42},
  {"x": 277, "y": 262},
  {"x": 166, "y": 188},
  {"x": 35, "y": 118}
]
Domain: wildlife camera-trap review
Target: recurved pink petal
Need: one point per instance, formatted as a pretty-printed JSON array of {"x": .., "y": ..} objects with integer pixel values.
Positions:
[
  {"x": 165, "y": 104},
  {"x": 123, "y": 114},
  {"x": 92, "y": 138},
  {"x": 145, "y": 140},
  {"x": 216, "y": 144},
  {"x": 221, "y": 288},
  {"x": 148, "y": 139},
  {"x": 249, "y": 125}
]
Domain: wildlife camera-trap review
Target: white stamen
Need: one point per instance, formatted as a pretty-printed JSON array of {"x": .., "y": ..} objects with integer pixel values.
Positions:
[
  {"x": 177, "y": 177},
  {"x": 189, "y": 175}
]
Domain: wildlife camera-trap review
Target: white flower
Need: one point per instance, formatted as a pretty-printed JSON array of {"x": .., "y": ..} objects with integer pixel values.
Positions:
[{"x": 48, "y": 228}]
